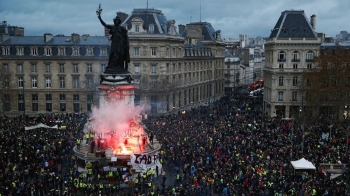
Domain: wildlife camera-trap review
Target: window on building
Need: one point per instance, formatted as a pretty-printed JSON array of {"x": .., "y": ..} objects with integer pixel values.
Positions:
[
  {"x": 75, "y": 68},
  {"x": 75, "y": 82},
  {"x": 62, "y": 102},
  {"x": 103, "y": 51},
  {"x": 295, "y": 66},
  {"x": 62, "y": 82},
  {"x": 76, "y": 103},
  {"x": 308, "y": 82},
  {"x": 137, "y": 51},
  {"x": 281, "y": 66},
  {"x": 137, "y": 28},
  {"x": 280, "y": 96},
  {"x": 61, "y": 68},
  {"x": 20, "y": 102},
  {"x": 151, "y": 28},
  {"x": 137, "y": 100},
  {"x": 48, "y": 82},
  {"x": 153, "y": 83},
  {"x": 153, "y": 51},
  {"x": 34, "y": 51},
  {"x": 89, "y": 51},
  {"x": 5, "y": 67},
  {"x": 47, "y": 51},
  {"x": 48, "y": 102},
  {"x": 137, "y": 69},
  {"x": 34, "y": 82},
  {"x": 295, "y": 96},
  {"x": 48, "y": 68},
  {"x": 295, "y": 81},
  {"x": 309, "y": 66},
  {"x": 154, "y": 69},
  {"x": 154, "y": 101},
  {"x": 34, "y": 70},
  {"x": 20, "y": 68},
  {"x": 89, "y": 68},
  {"x": 35, "y": 107},
  {"x": 75, "y": 51},
  {"x": 6, "y": 82},
  {"x": 282, "y": 56},
  {"x": 20, "y": 50},
  {"x": 5, "y": 50},
  {"x": 103, "y": 68},
  {"x": 20, "y": 82},
  {"x": 89, "y": 102},
  {"x": 296, "y": 56},
  {"x": 309, "y": 56},
  {"x": 280, "y": 81},
  {"x": 89, "y": 82},
  {"x": 61, "y": 51}
]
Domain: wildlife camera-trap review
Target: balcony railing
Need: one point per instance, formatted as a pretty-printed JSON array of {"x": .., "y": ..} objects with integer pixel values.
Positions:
[
  {"x": 309, "y": 60},
  {"x": 281, "y": 60},
  {"x": 295, "y": 60}
]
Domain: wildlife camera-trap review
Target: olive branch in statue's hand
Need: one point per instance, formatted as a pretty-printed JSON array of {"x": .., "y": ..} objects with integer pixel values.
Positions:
[{"x": 99, "y": 10}]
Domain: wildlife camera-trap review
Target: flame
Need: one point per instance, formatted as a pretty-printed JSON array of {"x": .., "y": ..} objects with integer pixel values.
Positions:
[{"x": 124, "y": 150}]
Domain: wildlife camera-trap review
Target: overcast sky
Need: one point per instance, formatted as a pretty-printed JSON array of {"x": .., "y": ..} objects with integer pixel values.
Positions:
[{"x": 232, "y": 17}]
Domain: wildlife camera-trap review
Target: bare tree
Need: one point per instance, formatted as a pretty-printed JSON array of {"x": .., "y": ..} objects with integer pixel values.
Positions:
[{"x": 326, "y": 87}]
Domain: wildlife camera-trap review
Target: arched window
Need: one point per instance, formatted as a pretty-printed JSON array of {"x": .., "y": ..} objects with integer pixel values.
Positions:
[
  {"x": 282, "y": 56},
  {"x": 280, "y": 81}
]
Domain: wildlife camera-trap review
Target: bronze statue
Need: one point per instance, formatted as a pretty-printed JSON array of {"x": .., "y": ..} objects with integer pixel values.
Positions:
[{"x": 119, "y": 56}]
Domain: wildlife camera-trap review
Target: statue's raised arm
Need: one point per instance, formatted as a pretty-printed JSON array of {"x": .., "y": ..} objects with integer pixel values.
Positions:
[{"x": 98, "y": 12}]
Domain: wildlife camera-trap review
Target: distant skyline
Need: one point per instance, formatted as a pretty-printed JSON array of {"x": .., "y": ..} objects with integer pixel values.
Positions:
[{"x": 232, "y": 17}]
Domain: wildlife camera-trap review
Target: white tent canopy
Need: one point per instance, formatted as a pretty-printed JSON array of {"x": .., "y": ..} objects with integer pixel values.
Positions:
[{"x": 302, "y": 164}]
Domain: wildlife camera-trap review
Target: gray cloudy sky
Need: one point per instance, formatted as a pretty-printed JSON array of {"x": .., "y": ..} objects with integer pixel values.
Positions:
[{"x": 232, "y": 17}]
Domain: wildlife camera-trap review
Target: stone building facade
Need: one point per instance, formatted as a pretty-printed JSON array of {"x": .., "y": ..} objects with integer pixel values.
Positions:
[
  {"x": 290, "y": 50},
  {"x": 175, "y": 70},
  {"x": 54, "y": 73}
]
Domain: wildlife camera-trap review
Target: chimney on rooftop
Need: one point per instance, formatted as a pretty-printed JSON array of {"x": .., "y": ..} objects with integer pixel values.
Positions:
[
  {"x": 75, "y": 37},
  {"x": 181, "y": 28},
  {"x": 313, "y": 21}
]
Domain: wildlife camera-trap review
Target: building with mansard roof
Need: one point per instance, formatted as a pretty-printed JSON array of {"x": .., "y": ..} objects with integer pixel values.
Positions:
[
  {"x": 176, "y": 70},
  {"x": 290, "y": 50},
  {"x": 44, "y": 74}
]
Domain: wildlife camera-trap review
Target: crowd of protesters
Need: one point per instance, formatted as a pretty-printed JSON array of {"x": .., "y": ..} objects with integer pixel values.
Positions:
[
  {"x": 226, "y": 148},
  {"x": 231, "y": 148}
]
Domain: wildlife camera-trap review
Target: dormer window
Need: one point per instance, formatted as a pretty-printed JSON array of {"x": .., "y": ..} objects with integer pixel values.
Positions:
[
  {"x": 89, "y": 51},
  {"x": 34, "y": 51},
  {"x": 20, "y": 50},
  {"x": 103, "y": 51},
  {"x": 6, "y": 50},
  {"x": 137, "y": 28},
  {"x": 61, "y": 51},
  {"x": 151, "y": 28},
  {"x": 47, "y": 51},
  {"x": 75, "y": 51}
]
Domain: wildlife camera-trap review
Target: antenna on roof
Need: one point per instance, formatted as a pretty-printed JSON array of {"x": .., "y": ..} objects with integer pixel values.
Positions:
[{"x": 147, "y": 4}]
